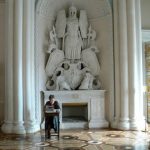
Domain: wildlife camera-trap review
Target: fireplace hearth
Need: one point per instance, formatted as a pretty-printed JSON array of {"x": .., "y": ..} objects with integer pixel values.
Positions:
[{"x": 74, "y": 112}]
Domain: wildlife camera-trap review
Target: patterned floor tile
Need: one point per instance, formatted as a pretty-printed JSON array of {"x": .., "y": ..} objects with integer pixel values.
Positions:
[{"x": 78, "y": 140}]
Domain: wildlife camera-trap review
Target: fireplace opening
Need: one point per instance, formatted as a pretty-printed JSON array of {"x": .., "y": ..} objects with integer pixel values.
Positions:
[{"x": 74, "y": 112}]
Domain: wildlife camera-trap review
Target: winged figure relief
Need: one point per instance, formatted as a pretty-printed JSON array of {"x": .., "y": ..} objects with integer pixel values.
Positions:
[{"x": 71, "y": 40}]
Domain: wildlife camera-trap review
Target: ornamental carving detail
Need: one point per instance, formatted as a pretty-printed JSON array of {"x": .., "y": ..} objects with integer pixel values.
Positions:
[{"x": 72, "y": 63}]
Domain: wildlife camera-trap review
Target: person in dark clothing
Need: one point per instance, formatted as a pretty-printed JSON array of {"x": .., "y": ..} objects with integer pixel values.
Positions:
[{"x": 51, "y": 122}]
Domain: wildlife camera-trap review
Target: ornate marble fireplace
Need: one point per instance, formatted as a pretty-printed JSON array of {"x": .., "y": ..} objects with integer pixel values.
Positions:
[
  {"x": 73, "y": 70},
  {"x": 93, "y": 99}
]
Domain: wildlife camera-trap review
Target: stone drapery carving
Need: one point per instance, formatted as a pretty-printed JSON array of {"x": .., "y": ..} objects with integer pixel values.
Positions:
[{"x": 72, "y": 63}]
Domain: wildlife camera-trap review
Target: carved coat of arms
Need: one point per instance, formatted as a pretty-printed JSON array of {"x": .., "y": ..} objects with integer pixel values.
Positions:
[{"x": 72, "y": 63}]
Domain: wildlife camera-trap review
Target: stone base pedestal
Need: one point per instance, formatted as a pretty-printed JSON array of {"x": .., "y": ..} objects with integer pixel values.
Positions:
[{"x": 16, "y": 128}]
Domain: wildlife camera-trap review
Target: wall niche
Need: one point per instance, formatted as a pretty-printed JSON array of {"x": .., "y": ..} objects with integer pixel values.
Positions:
[{"x": 99, "y": 14}]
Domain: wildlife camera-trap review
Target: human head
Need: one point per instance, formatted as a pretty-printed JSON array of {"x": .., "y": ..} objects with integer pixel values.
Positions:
[
  {"x": 72, "y": 12},
  {"x": 51, "y": 98}
]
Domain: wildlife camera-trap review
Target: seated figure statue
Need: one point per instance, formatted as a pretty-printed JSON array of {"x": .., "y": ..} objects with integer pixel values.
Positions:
[
  {"x": 61, "y": 83},
  {"x": 87, "y": 82}
]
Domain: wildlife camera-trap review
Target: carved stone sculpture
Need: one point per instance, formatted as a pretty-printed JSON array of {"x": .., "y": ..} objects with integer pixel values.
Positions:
[
  {"x": 61, "y": 83},
  {"x": 87, "y": 82},
  {"x": 72, "y": 63},
  {"x": 72, "y": 31}
]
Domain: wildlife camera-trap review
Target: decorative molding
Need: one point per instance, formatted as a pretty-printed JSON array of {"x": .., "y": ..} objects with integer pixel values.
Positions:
[{"x": 42, "y": 8}]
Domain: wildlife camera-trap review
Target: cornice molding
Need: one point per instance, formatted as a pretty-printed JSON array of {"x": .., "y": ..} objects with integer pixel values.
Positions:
[{"x": 48, "y": 8}]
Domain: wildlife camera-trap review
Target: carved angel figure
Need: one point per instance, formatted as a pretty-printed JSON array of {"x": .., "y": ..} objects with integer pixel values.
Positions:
[{"x": 72, "y": 30}]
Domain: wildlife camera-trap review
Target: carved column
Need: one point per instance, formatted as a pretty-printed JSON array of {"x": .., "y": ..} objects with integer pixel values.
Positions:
[
  {"x": 17, "y": 70},
  {"x": 141, "y": 63},
  {"x": 124, "y": 106},
  {"x": 8, "y": 121},
  {"x": 28, "y": 63},
  {"x": 129, "y": 50},
  {"x": 132, "y": 58},
  {"x": 14, "y": 93},
  {"x": 116, "y": 114},
  {"x": 20, "y": 85},
  {"x": 135, "y": 65}
]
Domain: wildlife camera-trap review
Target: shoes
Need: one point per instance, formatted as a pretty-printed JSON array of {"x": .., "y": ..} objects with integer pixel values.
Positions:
[
  {"x": 55, "y": 130},
  {"x": 47, "y": 134}
]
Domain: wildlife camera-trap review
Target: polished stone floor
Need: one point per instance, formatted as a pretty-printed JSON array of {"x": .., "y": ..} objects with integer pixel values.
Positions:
[{"x": 78, "y": 140}]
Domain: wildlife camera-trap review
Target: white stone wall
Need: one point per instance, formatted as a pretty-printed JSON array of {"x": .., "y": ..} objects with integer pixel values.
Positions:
[
  {"x": 145, "y": 11},
  {"x": 2, "y": 59}
]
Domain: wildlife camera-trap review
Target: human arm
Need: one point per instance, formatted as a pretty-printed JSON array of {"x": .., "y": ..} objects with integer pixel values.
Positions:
[{"x": 56, "y": 105}]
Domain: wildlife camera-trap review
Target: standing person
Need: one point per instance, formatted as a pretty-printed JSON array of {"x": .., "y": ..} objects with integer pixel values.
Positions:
[{"x": 51, "y": 122}]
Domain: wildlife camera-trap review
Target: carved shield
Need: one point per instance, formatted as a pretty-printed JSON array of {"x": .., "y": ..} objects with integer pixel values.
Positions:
[
  {"x": 91, "y": 59},
  {"x": 83, "y": 23},
  {"x": 73, "y": 72},
  {"x": 73, "y": 76},
  {"x": 61, "y": 23},
  {"x": 54, "y": 59}
]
